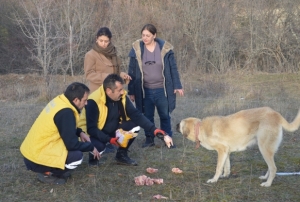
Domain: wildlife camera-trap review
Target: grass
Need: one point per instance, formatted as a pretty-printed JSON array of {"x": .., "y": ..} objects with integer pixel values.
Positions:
[{"x": 23, "y": 97}]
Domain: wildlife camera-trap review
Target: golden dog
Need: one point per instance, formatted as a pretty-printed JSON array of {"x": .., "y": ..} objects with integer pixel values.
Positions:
[{"x": 235, "y": 132}]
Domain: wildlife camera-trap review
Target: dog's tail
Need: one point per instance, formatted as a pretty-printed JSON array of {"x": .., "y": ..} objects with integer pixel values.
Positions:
[{"x": 293, "y": 126}]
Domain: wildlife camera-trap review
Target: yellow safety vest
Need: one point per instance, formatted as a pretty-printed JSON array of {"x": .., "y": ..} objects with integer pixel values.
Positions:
[
  {"x": 43, "y": 144},
  {"x": 100, "y": 98}
]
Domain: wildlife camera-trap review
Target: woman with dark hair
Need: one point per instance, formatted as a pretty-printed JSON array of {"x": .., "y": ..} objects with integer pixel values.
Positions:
[
  {"x": 155, "y": 79},
  {"x": 102, "y": 60}
]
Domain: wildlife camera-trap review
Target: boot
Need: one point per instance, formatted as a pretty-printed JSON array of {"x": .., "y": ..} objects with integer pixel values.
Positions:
[
  {"x": 66, "y": 175},
  {"x": 50, "y": 179},
  {"x": 149, "y": 141},
  {"x": 122, "y": 158}
]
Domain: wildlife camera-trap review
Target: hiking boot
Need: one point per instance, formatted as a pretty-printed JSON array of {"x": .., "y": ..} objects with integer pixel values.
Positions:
[
  {"x": 149, "y": 142},
  {"x": 109, "y": 148},
  {"x": 122, "y": 158},
  {"x": 50, "y": 179}
]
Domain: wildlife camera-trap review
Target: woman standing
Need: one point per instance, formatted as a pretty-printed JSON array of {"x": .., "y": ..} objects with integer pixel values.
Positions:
[
  {"x": 155, "y": 79},
  {"x": 102, "y": 60}
]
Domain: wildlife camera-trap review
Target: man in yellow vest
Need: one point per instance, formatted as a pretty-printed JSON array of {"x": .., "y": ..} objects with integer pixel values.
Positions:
[
  {"x": 51, "y": 147},
  {"x": 108, "y": 110}
]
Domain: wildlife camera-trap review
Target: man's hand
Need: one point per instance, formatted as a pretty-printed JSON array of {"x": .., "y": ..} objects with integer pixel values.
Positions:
[
  {"x": 164, "y": 137},
  {"x": 114, "y": 141},
  {"x": 96, "y": 153},
  {"x": 84, "y": 137},
  {"x": 160, "y": 133},
  {"x": 168, "y": 140}
]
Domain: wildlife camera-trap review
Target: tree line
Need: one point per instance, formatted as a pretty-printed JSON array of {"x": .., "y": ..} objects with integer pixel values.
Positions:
[{"x": 209, "y": 36}]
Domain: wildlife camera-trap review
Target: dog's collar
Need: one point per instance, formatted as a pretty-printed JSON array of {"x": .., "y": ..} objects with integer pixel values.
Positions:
[{"x": 197, "y": 126}]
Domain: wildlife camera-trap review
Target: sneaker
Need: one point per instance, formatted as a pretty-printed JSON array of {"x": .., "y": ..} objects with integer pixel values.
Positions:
[
  {"x": 50, "y": 179},
  {"x": 149, "y": 142}
]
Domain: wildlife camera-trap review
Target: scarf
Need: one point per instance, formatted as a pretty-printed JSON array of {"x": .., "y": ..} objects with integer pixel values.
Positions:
[{"x": 110, "y": 52}]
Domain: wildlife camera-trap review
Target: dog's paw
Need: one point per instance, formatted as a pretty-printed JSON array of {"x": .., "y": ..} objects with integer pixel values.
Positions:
[
  {"x": 212, "y": 180},
  {"x": 265, "y": 184},
  {"x": 263, "y": 177}
]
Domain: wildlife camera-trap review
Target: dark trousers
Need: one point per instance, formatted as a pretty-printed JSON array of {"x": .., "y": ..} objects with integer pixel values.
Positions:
[
  {"x": 125, "y": 125},
  {"x": 74, "y": 157}
]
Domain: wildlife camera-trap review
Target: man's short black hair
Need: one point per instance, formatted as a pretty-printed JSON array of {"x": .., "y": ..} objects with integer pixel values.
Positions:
[
  {"x": 76, "y": 90},
  {"x": 110, "y": 81}
]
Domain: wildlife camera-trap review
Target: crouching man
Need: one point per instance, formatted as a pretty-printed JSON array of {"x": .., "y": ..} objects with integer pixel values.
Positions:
[
  {"x": 108, "y": 110},
  {"x": 51, "y": 147}
]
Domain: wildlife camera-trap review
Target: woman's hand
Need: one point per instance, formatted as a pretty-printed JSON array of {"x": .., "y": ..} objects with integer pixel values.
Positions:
[
  {"x": 125, "y": 77},
  {"x": 180, "y": 91},
  {"x": 132, "y": 98}
]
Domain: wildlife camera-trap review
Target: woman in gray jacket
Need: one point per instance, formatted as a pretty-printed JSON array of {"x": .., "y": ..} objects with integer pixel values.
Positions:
[{"x": 155, "y": 79}]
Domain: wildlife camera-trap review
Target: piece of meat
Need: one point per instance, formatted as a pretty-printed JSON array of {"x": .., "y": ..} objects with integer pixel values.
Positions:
[
  {"x": 151, "y": 170},
  {"x": 144, "y": 180},
  {"x": 158, "y": 196},
  {"x": 140, "y": 180},
  {"x": 149, "y": 181},
  {"x": 176, "y": 170},
  {"x": 158, "y": 181}
]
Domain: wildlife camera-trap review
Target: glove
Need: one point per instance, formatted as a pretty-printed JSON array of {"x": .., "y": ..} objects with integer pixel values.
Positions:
[
  {"x": 160, "y": 133},
  {"x": 114, "y": 141}
]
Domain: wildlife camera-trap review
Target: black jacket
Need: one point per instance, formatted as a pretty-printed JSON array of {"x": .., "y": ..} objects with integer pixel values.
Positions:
[
  {"x": 65, "y": 123},
  {"x": 113, "y": 119}
]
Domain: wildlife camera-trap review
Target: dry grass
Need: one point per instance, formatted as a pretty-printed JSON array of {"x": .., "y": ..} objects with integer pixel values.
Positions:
[{"x": 23, "y": 96}]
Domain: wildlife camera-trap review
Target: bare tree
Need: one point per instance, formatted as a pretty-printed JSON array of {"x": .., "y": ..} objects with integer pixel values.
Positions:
[
  {"x": 193, "y": 23},
  {"x": 38, "y": 26},
  {"x": 13, "y": 56},
  {"x": 74, "y": 24},
  {"x": 209, "y": 36}
]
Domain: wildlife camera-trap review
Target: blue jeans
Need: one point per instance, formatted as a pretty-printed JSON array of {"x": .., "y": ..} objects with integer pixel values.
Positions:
[{"x": 156, "y": 98}]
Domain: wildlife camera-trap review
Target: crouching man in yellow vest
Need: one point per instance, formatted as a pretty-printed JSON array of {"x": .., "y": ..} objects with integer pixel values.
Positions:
[
  {"x": 51, "y": 147},
  {"x": 108, "y": 110}
]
